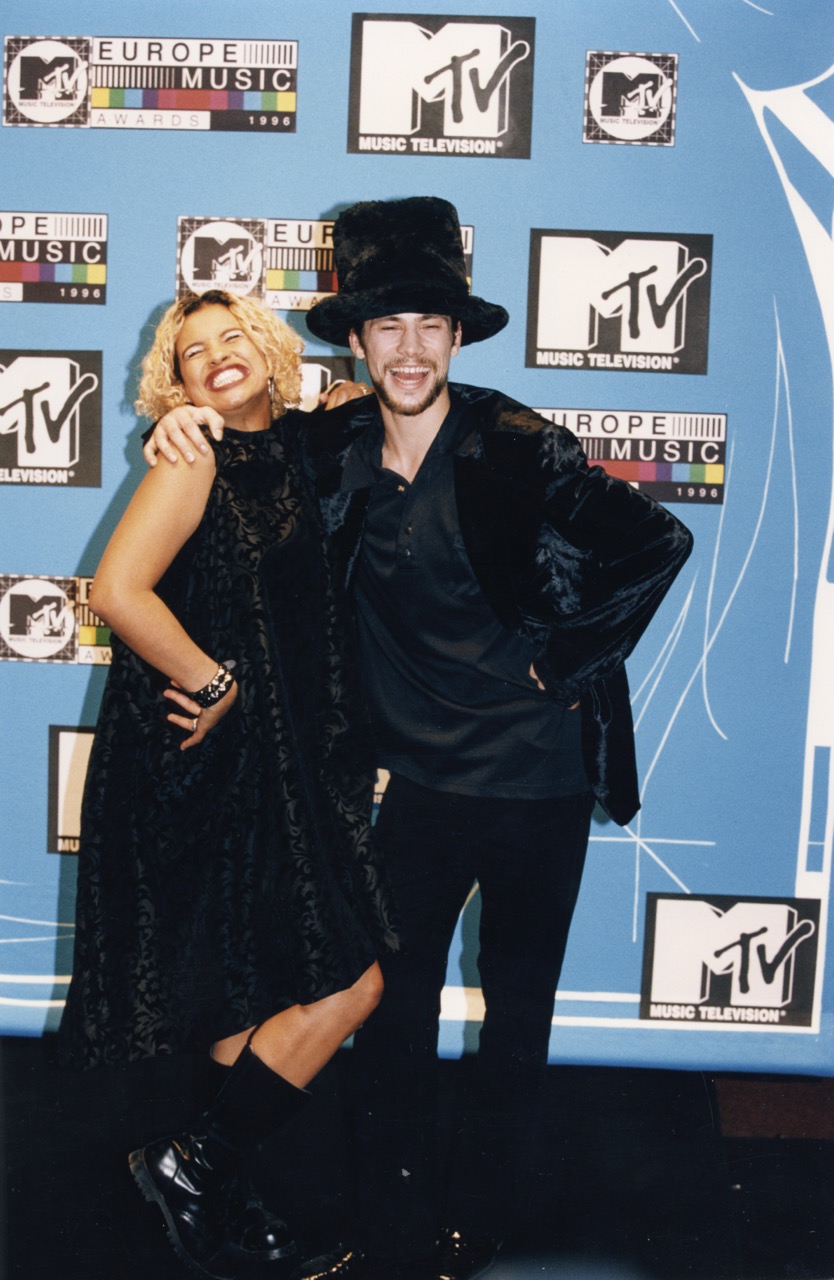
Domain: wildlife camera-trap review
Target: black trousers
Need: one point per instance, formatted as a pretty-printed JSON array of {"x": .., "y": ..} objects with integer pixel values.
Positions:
[{"x": 527, "y": 857}]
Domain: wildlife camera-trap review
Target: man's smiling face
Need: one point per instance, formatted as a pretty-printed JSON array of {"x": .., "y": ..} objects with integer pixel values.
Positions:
[{"x": 407, "y": 356}]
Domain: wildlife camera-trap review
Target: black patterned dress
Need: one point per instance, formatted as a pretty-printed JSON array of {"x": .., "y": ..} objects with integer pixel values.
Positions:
[{"x": 220, "y": 884}]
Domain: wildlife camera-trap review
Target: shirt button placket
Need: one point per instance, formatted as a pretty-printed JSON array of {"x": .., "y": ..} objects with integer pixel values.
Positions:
[{"x": 406, "y": 530}]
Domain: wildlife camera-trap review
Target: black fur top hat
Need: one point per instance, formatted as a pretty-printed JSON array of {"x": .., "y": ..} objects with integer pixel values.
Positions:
[{"x": 393, "y": 256}]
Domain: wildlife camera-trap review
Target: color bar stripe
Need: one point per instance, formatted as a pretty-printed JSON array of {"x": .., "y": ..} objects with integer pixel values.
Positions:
[
  {"x": 80, "y": 273},
  {"x": 276, "y": 279},
  {"x": 316, "y": 281},
  {"x": 285, "y": 101},
  {"x": 190, "y": 100},
  {"x": 646, "y": 472},
  {"x": 93, "y": 635}
]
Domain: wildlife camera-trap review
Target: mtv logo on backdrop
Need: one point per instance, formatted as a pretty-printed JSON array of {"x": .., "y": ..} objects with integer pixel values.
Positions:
[
  {"x": 50, "y": 620},
  {"x": 69, "y": 755},
  {"x": 216, "y": 253},
  {"x": 46, "y": 81},
  {"x": 720, "y": 961},
  {"x": 619, "y": 301},
  {"x": 630, "y": 98},
  {"x": 117, "y": 82},
  {"x": 37, "y": 619},
  {"x": 319, "y": 374},
  {"x": 50, "y": 417},
  {"x": 430, "y": 85}
]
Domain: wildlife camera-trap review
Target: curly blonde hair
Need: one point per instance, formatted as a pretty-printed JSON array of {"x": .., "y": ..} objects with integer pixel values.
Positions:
[{"x": 160, "y": 387}]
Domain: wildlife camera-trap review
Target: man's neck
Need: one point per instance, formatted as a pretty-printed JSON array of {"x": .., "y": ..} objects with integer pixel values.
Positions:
[{"x": 408, "y": 438}]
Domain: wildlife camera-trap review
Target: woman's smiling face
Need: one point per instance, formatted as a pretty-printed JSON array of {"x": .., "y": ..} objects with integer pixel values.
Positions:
[{"x": 220, "y": 366}]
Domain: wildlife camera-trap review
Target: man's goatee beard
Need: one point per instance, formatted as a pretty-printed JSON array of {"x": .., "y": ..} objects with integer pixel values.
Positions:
[{"x": 411, "y": 410}]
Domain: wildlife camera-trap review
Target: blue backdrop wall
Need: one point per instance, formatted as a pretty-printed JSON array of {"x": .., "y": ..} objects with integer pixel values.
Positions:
[{"x": 648, "y": 189}]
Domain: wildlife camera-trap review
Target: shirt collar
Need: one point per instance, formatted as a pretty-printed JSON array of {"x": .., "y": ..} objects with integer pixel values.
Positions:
[{"x": 363, "y": 465}]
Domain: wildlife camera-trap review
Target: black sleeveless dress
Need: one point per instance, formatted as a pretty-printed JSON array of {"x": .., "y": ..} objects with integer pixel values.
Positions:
[{"x": 220, "y": 884}]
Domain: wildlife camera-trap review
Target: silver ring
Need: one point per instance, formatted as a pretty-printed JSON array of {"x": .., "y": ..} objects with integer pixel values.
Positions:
[{"x": 194, "y": 725}]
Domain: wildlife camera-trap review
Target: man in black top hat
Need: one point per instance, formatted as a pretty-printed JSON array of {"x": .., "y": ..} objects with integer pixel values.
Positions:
[{"x": 500, "y": 584}]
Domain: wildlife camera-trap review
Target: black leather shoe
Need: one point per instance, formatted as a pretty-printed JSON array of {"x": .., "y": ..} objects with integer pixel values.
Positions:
[
  {"x": 460, "y": 1257},
  {"x": 186, "y": 1177},
  {"x": 254, "y": 1234}
]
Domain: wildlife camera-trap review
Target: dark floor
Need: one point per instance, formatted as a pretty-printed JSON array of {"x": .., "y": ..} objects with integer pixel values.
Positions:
[{"x": 631, "y": 1178}]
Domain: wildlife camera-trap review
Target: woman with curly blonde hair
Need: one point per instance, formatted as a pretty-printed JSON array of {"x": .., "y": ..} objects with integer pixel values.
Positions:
[
  {"x": 228, "y": 893},
  {"x": 161, "y": 388}
]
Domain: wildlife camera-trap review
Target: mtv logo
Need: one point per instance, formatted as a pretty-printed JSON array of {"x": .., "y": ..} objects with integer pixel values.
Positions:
[
  {"x": 746, "y": 953},
  {"x": 319, "y": 375},
  {"x": 225, "y": 262},
  {"x": 42, "y": 615},
  {"x": 49, "y": 80},
  {"x": 451, "y": 78},
  {"x": 221, "y": 253},
  {"x": 639, "y": 95},
  {"x": 69, "y": 756},
  {"x": 641, "y": 283},
  {"x": 40, "y": 400},
  {"x": 37, "y": 618},
  {"x": 46, "y": 81},
  {"x": 637, "y": 296},
  {"x": 630, "y": 98}
]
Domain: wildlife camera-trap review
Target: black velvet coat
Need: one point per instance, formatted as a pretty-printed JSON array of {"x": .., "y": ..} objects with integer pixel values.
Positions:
[{"x": 566, "y": 555}]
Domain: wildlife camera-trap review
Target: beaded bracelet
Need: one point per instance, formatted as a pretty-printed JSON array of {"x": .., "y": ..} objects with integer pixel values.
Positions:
[{"x": 217, "y": 687}]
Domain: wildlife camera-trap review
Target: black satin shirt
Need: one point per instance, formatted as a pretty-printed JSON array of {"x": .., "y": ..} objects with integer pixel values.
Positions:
[{"x": 453, "y": 705}]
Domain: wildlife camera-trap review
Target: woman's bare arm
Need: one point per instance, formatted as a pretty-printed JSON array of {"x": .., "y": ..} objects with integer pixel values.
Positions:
[
  {"x": 160, "y": 518},
  {"x": 179, "y": 434}
]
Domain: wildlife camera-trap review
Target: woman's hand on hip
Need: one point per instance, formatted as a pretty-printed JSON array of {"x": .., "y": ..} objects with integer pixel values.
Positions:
[{"x": 196, "y": 720}]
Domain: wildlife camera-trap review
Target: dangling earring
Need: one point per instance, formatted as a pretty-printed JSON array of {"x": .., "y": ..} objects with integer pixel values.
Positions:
[{"x": 270, "y": 386}]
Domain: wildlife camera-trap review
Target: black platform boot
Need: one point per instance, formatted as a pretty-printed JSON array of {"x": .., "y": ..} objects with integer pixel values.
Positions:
[
  {"x": 189, "y": 1175},
  {"x": 254, "y": 1234}
]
